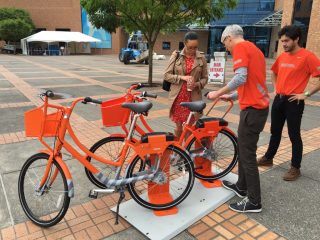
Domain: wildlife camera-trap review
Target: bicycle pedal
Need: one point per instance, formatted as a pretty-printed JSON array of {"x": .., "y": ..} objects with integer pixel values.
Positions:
[{"x": 93, "y": 194}]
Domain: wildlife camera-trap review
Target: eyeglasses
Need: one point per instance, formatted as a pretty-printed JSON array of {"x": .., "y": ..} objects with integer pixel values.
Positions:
[
  {"x": 192, "y": 48},
  {"x": 225, "y": 38}
]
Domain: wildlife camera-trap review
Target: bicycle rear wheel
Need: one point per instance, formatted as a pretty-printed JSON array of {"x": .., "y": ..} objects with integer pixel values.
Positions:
[
  {"x": 44, "y": 206},
  {"x": 219, "y": 155},
  {"x": 175, "y": 176}
]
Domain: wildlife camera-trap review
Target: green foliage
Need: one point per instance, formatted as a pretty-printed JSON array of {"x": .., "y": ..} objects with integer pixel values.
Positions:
[
  {"x": 15, "y": 24},
  {"x": 14, "y": 29},
  {"x": 153, "y": 16}
]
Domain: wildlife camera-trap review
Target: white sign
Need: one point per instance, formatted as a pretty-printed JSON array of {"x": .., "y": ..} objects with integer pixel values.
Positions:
[
  {"x": 9, "y": 47},
  {"x": 216, "y": 72}
]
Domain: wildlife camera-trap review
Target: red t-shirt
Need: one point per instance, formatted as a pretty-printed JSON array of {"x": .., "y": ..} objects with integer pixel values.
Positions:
[
  {"x": 254, "y": 92},
  {"x": 294, "y": 70}
]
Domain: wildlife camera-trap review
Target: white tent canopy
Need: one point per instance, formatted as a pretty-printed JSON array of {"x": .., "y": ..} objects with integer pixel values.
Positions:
[{"x": 57, "y": 36}]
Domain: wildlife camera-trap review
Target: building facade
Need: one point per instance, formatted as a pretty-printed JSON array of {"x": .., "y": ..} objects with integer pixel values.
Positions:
[
  {"x": 50, "y": 15},
  {"x": 167, "y": 43},
  {"x": 260, "y": 19},
  {"x": 306, "y": 14},
  {"x": 251, "y": 15},
  {"x": 63, "y": 15}
]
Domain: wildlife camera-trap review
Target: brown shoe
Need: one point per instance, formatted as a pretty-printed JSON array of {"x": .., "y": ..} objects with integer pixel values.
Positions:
[
  {"x": 292, "y": 174},
  {"x": 263, "y": 161}
]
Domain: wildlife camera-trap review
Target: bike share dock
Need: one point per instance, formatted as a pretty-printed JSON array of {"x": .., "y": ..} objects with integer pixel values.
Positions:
[{"x": 198, "y": 204}]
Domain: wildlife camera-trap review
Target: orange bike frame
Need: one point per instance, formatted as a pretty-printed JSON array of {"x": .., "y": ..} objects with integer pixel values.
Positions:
[
  {"x": 155, "y": 146},
  {"x": 188, "y": 129},
  {"x": 132, "y": 97}
]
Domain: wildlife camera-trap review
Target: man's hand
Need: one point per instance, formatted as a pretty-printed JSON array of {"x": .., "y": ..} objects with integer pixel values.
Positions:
[
  {"x": 225, "y": 97},
  {"x": 297, "y": 97},
  {"x": 213, "y": 95}
]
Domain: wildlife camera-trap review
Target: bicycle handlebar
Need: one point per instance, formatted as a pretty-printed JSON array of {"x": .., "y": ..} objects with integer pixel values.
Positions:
[
  {"x": 89, "y": 100},
  {"x": 49, "y": 93},
  {"x": 151, "y": 95},
  {"x": 220, "y": 99},
  {"x": 136, "y": 86}
]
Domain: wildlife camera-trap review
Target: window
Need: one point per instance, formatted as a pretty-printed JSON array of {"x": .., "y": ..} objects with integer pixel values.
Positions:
[
  {"x": 63, "y": 29},
  {"x": 310, "y": 5},
  {"x": 298, "y": 6},
  {"x": 181, "y": 46},
  {"x": 301, "y": 17},
  {"x": 166, "y": 45},
  {"x": 39, "y": 30}
]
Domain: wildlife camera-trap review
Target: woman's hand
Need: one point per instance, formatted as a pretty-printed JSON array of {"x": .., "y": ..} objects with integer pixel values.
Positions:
[
  {"x": 185, "y": 78},
  {"x": 191, "y": 83}
]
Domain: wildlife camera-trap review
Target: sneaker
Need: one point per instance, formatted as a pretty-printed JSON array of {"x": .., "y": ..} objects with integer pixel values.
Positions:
[
  {"x": 245, "y": 206},
  {"x": 292, "y": 174},
  {"x": 263, "y": 161},
  {"x": 233, "y": 187}
]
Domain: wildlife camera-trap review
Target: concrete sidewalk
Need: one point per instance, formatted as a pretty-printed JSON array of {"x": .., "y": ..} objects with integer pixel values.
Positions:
[{"x": 290, "y": 209}]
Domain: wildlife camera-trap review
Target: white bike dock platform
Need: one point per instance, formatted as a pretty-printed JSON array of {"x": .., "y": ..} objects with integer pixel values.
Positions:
[{"x": 198, "y": 204}]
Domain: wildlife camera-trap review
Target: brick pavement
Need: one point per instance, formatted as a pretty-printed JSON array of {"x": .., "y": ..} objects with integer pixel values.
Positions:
[{"x": 93, "y": 219}]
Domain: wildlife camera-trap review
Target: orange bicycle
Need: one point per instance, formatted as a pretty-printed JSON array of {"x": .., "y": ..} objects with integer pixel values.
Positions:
[
  {"x": 159, "y": 174},
  {"x": 211, "y": 144}
]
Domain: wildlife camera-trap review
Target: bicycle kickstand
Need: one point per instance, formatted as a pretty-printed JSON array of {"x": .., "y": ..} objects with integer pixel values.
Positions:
[{"x": 121, "y": 197}]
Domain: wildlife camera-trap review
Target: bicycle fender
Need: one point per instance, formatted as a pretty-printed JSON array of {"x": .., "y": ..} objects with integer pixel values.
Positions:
[
  {"x": 124, "y": 136},
  {"x": 188, "y": 141},
  {"x": 118, "y": 135},
  {"x": 230, "y": 131},
  {"x": 66, "y": 172}
]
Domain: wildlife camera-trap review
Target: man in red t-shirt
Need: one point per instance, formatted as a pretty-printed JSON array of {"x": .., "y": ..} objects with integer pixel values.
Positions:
[
  {"x": 290, "y": 75},
  {"x": 250, "y": 82}
]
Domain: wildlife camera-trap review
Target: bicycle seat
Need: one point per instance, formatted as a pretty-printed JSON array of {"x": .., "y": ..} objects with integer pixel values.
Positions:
[
  {"x": 196, "y": 106},
  {"x": 169, "y": 136},
  {"x": 141, "y": 107}
]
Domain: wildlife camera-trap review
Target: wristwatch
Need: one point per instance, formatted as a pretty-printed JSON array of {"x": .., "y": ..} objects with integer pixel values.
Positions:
[{"x": 307, "y": 94}]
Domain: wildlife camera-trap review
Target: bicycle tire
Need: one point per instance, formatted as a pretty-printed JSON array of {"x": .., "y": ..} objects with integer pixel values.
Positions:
[
  {"x": 138, "y": 196},
  {"x": 95, "y": 147},
  {"x": 22, "y": 190},
  {"x": 232, "y": 163}
]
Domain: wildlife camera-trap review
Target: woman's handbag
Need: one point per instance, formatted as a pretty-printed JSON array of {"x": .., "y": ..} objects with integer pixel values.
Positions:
[{"x": 165, "y": 84}]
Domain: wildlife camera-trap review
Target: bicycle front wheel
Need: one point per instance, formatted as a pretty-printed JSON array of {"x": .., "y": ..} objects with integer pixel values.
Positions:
[
  {"x": 171, "y": 184},
  {"x": 214, "y": 157},
  {"x": 44, "y": 205},
  {"x": 108, "y": 148}
]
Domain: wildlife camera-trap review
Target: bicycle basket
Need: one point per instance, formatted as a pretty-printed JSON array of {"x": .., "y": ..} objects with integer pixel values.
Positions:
[
  {"x": 113, "y": 114},
  {"x": 37, "y": 124}
]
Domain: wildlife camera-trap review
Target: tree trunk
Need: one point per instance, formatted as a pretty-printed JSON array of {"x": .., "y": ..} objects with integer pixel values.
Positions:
[{"x": 151, "y": 45}]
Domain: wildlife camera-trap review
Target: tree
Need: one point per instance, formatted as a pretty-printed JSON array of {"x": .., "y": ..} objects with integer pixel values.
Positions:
[
  {"x": 153, "y": 16},
  {"x": 15, "y": 24}
]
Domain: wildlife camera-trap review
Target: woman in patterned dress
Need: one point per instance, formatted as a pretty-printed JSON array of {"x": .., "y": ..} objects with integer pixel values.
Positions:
[{"x": 188, "y": 75}]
